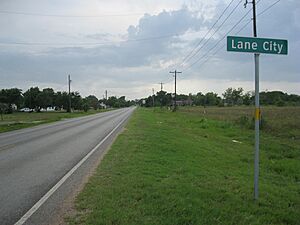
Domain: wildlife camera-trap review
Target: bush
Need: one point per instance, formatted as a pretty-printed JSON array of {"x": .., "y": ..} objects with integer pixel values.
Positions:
[
  {"x": 280, "y": 103},
  {"x": 244, "y": 121},
  {"x": 85, "y": 107}
]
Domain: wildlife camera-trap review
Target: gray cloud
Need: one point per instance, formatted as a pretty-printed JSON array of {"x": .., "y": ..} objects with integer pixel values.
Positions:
[{"x": 137, "y": 63}]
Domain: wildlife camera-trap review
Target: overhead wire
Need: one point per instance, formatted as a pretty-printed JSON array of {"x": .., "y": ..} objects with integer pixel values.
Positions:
[
  {"x": 221, "y": 25},
  {"x": 199, "y": 43},
  {"x": 241, "y": 29},
  {"x": 269, "y": 7},
  {"x": 91, "y": 43},
  {"x": 222, "y": 47},
  {"x": 217, "y": 43},
  {"x": 141, "y": 39},
  {"x": 83, "y": 43},
  {"x": 67, "y": 16}
]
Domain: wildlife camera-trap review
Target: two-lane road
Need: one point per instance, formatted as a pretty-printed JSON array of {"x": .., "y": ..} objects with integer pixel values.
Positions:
[{"x": 33, "y": 160}]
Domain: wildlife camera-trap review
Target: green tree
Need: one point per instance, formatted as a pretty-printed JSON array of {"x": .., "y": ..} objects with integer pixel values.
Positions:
[
  {"x": 31, "y": 99},
  {"x": 76, "y": 101},
  {"x": 46, "y": 98},
  {"x": 92, "y": 101},
  {"x": 248, "y": 98},
  {"x": 233, "y": 96},
  {"x": 198, "y": 99},
  {"x": 212, "y": 99},
  {"x": 3, "y": 108},
  {"x": 60, "y": 99},
  {"x": 11, "y": 96},
  {"x": 163, "y": 98}
]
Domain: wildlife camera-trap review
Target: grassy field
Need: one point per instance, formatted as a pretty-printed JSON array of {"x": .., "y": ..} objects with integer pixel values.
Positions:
[
  {"x": 185, "y": 168},
  {"x": 21, "y": 120},
  {"x": 278, "y": 121}
]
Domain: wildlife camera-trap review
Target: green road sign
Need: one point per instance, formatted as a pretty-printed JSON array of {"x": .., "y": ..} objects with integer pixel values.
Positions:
[{"x": 257, "y": 45}]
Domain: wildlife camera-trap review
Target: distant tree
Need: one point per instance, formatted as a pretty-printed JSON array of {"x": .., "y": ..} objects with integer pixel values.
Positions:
[
  {"x": 61, "y": 100},
  {"x": 3, "y": 108},
  {"x": 248, "y": 98},
  {"x": 212, "y": 99},
  {"x": 112, "y": 101},
  {"x": 294, "y": 98},
  {"x": 122, "y": 102},
  {"x": 198, "y": 99},
  {"x": 182, "y": 97},
  {"x": 85, "y": 105},
  {"x": 31, "y": 98},
  {"x": 46, "y": 98},
  {"x": 280, "y": 103},
  {"x": 76, "y": 101},
  {"x": 274, "y": 98},
  {"x": 227, "y": 95},
  {"x": 233, "y": 96},
  {"x": 162, "y": 98},
  {"x": 92, "y": 101},
  {"x": 115, "y": 102},
  {"x": 10, "y": 97}
]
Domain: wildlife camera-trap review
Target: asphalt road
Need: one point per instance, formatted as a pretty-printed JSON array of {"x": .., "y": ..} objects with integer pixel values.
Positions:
[{"x": 33, "y": 160}]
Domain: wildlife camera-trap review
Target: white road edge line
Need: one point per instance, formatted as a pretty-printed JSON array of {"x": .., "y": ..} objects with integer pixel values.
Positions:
[{"x": 37, "y": 205}]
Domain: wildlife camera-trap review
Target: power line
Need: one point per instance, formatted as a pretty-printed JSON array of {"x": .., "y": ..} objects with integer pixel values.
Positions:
[
  {"x": 232, "y": 11},
  {"x": 219, "y": 49},
  {"x": 94, "y": 43},
  {"x": 240, "y": 30},
  {"x": 269, "y": 7},
  {"x": 67, "y": 16},
  {"x": 243, "y": 27},
  {"x": 91, "y": 43},
  {"x": 195, "y": 62},
  {"x": 198, "y": 44}
]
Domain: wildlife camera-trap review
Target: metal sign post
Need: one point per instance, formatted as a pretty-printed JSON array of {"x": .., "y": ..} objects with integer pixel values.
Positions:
[
  {"x": 256, "y": 46},
  {"x": 257, "y": 120},
  {"x": 257, "y": 109}
]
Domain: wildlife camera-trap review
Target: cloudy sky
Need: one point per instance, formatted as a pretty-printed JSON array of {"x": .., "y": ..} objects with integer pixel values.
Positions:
[{"x": 129, "y": 46}]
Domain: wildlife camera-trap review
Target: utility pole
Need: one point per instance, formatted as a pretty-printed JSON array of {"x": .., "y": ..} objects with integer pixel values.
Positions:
[
  {"x": 152, "y": 97},
  {"x": 257, "y": 107},
  {"x": 106, "y": 95},
  {"x": 69, "y": 82},
  {"x": 175, "y": 75},
  {"x": 161, "y": 89},
  {"x": 161, "y": 85}
]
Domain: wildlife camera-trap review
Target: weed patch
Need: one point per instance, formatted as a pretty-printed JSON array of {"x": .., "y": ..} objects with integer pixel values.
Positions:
[{"x": 181, "y": 168}]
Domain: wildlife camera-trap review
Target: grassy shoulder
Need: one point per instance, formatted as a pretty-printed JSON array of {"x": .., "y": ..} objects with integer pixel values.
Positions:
[
  {"x": 19, "y": 120},
  {"x": 182, "y": 168}
]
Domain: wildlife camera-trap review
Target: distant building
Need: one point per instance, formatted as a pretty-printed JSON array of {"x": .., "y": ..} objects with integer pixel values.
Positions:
[
  {"x": 14, "y": 107},
  {"x": 102, "y": 105},
  {"x": 187, "y": 102}
]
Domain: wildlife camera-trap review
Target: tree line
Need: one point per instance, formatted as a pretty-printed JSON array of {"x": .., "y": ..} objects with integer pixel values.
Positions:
[
  {"x": 230, "y": 97},
  {"x": 34, "y": 98}
]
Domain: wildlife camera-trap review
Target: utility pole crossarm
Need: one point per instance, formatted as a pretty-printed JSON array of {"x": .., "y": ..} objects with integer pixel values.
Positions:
[
  {"x": 161, "y": 85},
  {"x": 153, "y": 97},
  {"x": 175, "y": 75}
]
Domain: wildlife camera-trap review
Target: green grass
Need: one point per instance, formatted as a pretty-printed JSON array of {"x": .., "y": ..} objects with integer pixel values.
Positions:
[
  {"x": 278, "y": 121},
  {"x": 19, "y": 120},
  {"x": 182, "y": 168}
]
